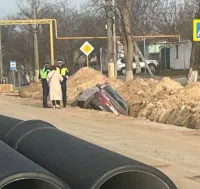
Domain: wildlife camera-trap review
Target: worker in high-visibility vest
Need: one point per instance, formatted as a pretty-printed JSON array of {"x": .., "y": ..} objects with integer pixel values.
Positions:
[
  {"x": 62, "y": 69},
  {"x": 45, "y": 87}
]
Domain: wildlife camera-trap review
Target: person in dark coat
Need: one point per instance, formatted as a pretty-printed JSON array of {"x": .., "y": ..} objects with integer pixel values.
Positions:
[{"x": 45, "y": 87}]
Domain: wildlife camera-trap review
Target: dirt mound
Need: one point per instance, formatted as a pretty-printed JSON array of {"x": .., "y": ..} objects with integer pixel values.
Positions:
[
  {"x": 164, "y": 101},
  {"x": 137, "y": 90},
  {"x": 171, "y": 104},
  {"x": 86, "y": 78},
  {"x": 191, "y": 92},
  {"x": 33, "y": 91},
  {"x": 6, "y": 88},
  {"x": 167, "y": 84},
  {"x": 140, "y": 90}
]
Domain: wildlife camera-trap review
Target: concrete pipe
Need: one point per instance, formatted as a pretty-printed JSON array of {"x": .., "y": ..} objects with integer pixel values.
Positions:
[{"x": 18, "y": 172}]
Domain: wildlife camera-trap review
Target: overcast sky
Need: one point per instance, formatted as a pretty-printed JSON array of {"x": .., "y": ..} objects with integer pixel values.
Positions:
[{"x": 9, "y": 6}]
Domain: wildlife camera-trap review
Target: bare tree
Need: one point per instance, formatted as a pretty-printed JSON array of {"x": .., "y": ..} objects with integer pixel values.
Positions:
[
  {"x": 31, "y": 9},
  {"x": 127, "y": 37},
  {"x": 172, "y": 17},
  {"x": 144, "y": 16}
]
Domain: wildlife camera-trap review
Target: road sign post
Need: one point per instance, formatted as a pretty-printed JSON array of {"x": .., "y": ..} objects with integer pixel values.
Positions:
[
  {"x": 101, "y": 66},
  {"x": 87, "y": 61},
  {"x": 13, "y": 67},
  {"x": 87, "y": 49}
]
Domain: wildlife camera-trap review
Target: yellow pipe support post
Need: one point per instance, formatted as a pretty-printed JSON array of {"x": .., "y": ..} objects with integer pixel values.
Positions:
[
  {"x": 51, "y": 43},
  {"x": 111, "y": 70}
]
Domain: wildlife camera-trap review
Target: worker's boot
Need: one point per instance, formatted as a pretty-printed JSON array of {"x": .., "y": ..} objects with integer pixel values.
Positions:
[{"x": 46, "y": 106}]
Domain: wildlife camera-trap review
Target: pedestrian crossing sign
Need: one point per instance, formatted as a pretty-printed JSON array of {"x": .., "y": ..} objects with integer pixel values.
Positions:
[{"x": 196, "y": 30}]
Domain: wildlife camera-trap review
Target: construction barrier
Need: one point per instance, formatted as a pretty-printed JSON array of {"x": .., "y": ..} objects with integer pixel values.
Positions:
[{"x": 80, "y": 164}]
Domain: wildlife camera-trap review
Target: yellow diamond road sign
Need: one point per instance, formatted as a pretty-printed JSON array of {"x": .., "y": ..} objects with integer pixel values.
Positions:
[{"x": 87, "y": 48}]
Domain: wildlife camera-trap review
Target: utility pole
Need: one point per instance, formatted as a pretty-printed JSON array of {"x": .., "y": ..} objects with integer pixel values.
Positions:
[
  {"x": 109, "y": 15},
  {"x": 37, "y": 66},
  {"x": 114, "y": 40},
  {"x": 1, "y": 57}
]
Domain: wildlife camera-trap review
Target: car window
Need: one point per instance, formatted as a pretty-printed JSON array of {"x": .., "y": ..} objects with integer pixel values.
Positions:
[{"x": 118, "y": 98}]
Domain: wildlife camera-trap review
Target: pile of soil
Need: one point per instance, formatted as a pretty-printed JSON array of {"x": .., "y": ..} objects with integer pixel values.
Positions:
[
  {"x": 168, "y": 102},
  {"x": 6, "y": 88},
  {"x": 86, "y": 78},
  {"x": 164, "y": 101},
  {"x": 33, "y": 91}
]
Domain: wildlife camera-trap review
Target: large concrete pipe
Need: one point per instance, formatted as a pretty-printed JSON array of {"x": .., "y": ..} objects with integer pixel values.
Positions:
[{"x": 18, "y": 172}]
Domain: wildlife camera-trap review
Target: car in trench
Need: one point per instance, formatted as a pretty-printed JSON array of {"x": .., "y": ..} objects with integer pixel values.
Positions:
[{"x": 102, "y": 98}]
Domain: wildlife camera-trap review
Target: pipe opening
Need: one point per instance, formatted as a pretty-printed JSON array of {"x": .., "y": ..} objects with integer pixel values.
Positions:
[
  {"x": 134, "y": 180},
  {"x": 30, "y": 184}
]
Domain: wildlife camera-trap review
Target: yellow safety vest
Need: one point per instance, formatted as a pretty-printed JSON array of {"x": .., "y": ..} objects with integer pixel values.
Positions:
[
  {"x": 62, "y": 71},
  {"x": 43, "y": 73}
]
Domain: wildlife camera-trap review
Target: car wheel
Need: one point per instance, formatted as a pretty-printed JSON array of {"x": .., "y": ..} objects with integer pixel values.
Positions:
[
  {"x": 152, "y": 68},
  {"x": 88, "y": 102},
  {"x": 74, "y": 103},
  {"x": 123, "y": 70}
]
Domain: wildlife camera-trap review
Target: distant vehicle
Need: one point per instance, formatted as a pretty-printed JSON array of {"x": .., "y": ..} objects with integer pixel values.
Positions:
[
  {"x": 102, "y": 98},
  {"x": 153, "y": 65}
]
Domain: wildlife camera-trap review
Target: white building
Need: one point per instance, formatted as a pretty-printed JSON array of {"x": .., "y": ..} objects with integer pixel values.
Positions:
[{"x": 180, "y": 55}]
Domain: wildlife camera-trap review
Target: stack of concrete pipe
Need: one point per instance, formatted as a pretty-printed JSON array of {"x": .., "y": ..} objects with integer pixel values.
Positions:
[{"x": 36, "y": 155}]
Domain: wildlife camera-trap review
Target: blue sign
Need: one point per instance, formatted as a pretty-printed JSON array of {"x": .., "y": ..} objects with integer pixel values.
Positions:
[
  {"x": 196, "y": 30},
  {"x": 13, "y": 65}
]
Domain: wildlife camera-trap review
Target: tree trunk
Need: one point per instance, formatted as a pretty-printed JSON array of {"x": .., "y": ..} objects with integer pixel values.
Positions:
[
  {"x": 129, "y": 65},
  {"x": 137, "y": 62},
  {"x": 194, "y": 63},
  {"x": 127, "y": 38}
]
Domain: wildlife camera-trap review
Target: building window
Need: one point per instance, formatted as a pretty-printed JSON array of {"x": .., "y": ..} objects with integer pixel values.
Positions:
[{"x": 176, "y": 52}]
